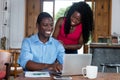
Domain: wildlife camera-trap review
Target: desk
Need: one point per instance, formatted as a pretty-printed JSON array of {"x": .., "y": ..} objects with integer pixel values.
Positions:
[{"x": 101, "y": 76}]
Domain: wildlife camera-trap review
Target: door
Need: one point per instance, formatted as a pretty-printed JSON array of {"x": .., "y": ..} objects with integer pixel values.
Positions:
[
  {"x": 102, "y": 14},
  {"x": 32, "y": 11}
]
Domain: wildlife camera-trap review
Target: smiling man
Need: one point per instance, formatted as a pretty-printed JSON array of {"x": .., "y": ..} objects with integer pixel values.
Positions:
[{"x": 41, "y": 51}]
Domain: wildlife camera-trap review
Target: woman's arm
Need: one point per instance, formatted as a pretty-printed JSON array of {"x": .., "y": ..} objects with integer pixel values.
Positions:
[
  {"x": 57, "y": 27},
  {"x": 77, "y": 46}
]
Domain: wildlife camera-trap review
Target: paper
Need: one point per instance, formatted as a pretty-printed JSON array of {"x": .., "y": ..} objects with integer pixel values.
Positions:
[{"x": 36, "y": 74}]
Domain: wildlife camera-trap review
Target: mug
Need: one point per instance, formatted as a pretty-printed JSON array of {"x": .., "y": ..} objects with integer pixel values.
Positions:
[
  {"x": 118, "y": 39},
  {"x": 90, "y": 72}
]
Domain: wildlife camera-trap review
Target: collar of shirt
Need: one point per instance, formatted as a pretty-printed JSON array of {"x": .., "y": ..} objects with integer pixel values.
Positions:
[{"x": 36, "y": 39}]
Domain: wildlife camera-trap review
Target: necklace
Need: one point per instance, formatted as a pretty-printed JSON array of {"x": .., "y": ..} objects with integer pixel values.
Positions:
[{"x": 71, "y": 28}]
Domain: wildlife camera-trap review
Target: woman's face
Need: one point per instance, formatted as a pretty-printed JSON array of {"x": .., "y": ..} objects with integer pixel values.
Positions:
[{"x": 75, "y": 18}]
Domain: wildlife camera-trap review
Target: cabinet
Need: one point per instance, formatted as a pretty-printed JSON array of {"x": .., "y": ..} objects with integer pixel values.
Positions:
[{"x": 104, "y": 53}]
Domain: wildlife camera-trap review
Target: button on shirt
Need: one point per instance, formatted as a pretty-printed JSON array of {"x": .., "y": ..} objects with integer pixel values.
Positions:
[{"x": 37, "y": 51}]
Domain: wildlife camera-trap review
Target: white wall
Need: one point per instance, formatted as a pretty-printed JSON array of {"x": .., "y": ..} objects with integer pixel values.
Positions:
[
  {"x": 4, "y": 21},
  {"x": 115, "y": 17},
  {"x": 17, "y": 23}
]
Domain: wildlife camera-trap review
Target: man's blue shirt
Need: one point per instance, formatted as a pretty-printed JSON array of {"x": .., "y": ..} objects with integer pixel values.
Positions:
[{"x": 37, "y": 51}]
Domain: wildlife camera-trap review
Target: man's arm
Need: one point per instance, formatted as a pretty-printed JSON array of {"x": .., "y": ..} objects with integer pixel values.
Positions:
[{"x": 33, "y": 66}]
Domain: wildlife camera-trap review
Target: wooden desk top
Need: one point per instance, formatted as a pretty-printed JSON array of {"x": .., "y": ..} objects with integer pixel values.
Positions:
[{"x": 101, "y": 76}]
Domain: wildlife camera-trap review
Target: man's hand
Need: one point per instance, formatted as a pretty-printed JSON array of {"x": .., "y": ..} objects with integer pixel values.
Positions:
[{"x": 56, "y": 67}]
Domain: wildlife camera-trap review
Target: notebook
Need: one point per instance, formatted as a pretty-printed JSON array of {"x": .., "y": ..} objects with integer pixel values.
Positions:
[
  {"x": 36, "y": 74},
  {"x": 73, "y": 63}
]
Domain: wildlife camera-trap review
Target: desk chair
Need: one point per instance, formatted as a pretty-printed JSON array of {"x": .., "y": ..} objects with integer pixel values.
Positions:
[
  {"x": 5, "y": 58},
  {"x": 112, "y": 65}
]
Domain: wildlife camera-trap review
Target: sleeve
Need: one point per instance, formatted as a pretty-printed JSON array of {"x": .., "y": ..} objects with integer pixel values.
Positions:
[
  {"x": 61, "y": 52},
  {"x": 25, "y": 54}
]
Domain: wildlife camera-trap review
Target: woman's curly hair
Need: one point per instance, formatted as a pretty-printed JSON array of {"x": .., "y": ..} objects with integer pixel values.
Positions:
[{"x": 86, "y": 19}]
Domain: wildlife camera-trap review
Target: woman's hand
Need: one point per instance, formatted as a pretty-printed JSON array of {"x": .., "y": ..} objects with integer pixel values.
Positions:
[{"x": 61, "y": 41}]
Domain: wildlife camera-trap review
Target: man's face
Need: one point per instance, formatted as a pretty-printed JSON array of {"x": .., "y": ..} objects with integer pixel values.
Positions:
[{"x": 45, "y": 28}]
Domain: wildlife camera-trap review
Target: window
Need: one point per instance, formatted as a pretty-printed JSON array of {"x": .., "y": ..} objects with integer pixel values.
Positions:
[
  {"x": 48, "y": 7},
  {"x": 57, "y": 7}
]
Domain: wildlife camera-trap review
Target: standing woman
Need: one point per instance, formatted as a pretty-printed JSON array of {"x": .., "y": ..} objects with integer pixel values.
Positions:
[{"x": 73, "y": 30}]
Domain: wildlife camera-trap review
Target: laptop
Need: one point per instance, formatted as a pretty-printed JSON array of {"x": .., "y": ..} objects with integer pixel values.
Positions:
[{"x": 73, "y": 63}]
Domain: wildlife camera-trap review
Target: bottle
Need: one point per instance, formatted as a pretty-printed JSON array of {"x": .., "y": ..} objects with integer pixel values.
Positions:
[{"x": 109, "y": 41}]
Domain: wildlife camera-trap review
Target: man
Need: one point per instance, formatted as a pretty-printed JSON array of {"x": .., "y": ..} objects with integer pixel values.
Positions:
[{"x": 41, "y": 51}]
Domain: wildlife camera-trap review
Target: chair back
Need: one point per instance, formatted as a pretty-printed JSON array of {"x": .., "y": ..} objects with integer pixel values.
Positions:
[{"x": 5, "y": 57}]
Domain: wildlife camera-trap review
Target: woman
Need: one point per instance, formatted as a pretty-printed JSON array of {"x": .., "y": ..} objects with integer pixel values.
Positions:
[{"x": 73, "y": 30}]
